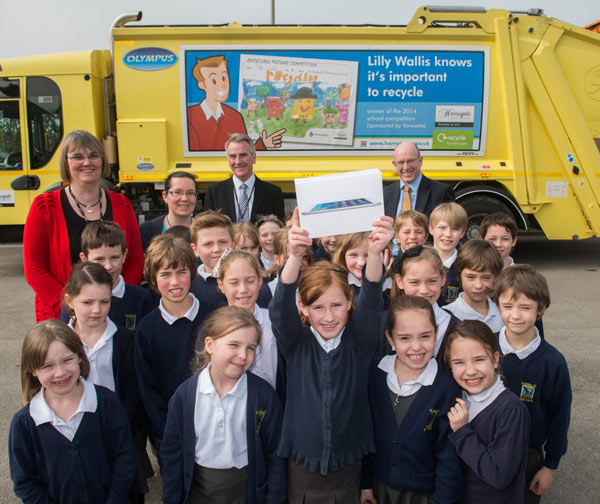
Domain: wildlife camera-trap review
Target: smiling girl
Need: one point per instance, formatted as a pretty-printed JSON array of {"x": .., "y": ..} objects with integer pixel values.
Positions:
[
  {"x": 71, "y": 442},
  {"x": 224, "y": 424},
  {"x": 490, "y": 424},
  {"x": 327, "y": 427},
  {"x": 410, "y": 398}
]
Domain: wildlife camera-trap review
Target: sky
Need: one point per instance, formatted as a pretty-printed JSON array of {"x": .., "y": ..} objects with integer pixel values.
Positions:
[{"x": 29, "y": 27}]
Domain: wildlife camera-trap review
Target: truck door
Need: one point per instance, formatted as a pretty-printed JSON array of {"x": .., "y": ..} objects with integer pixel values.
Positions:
[{"x": 30, "y": 132}]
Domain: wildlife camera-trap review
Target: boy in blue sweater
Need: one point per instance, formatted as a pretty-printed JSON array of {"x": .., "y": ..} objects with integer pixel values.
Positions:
[
  {"x": 212, "y": 234},
  {"x": 165, "y": 338},
  {"x": 535, "y": 371},
  {"x": 447, "y": 226},
  {"x": 103, "y": 242}
]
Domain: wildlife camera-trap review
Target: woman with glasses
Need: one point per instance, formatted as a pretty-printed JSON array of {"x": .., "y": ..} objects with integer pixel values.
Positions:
[
  {"x": 180, "y": 197},
  {"x": 52, "y": 235}
]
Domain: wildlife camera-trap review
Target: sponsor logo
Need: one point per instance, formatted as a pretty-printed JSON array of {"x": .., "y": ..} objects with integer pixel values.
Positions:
[
  {"x": 452, "y": 139},
  {"x": 454, "y": 116},
  {"x": 150, "y": 59},
  {"x": 145, "y": 166}
]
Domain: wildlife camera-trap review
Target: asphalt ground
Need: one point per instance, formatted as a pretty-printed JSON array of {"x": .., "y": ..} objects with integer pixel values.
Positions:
[{"x": 572, "y": 323}]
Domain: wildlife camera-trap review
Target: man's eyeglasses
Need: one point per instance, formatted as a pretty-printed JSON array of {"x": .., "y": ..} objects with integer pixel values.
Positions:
[
  {"x": 405, "y": 162},
  {"x": 79, "y": 158},
  {"x": 181, "y": 194}
]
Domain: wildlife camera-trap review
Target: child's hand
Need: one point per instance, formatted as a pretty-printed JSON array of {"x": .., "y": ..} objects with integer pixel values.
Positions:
[
  {"x": 388, "y": 259},
  {"x": 458, "y": 415},
  {"x": 298, "y": 237},
  {"x": 542, "y": 481},
  {"x": 367, "y": 497},
  {"x": 381, "y": 235}
]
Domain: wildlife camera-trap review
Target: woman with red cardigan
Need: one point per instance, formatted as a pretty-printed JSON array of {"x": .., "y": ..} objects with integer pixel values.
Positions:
[{"x": 51, "y": 239}]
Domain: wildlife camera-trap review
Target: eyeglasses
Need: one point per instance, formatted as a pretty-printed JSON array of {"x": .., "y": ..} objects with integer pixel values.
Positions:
[
  {"x": 79, "y": 158},
  {"x": 181, "y": 194},
  {"x": 405, "y": 162}
]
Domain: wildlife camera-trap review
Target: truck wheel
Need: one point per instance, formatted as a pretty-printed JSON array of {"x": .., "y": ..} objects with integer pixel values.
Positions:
[{"x": 477, "y": 207}]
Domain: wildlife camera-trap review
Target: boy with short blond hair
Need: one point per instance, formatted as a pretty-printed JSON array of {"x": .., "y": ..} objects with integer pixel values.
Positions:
[
  {"x": 165, "y": 338},
  {"x": 501, "y": 230},
  {"x": 103, "y": 242},
  {"x": 535, "y": 371},
  {"x": 411, "y": 228},
  {"x": 477, "y": 265},
  {"x": 212, "y": 234},
  {"x": 447, "y": 225}
]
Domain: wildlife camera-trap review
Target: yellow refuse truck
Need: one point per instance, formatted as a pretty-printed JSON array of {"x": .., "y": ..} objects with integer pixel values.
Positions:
[{"x": 504, "y": 106}]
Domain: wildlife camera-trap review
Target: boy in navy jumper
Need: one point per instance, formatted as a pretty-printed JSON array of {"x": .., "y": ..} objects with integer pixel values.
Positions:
[
  {"x": 477, "y": 265},
  {"x": 212, "y": 234},
  {"x": 500, "y": 229},
  {"x": 103, "y": 242},
  {"x": 535, "y": 371},
  {"x": 165, "y": 338},
  {"x": 447, "y": 226}
]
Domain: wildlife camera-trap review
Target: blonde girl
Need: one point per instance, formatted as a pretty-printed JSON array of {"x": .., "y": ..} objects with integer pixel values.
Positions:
[
  {"x": 267, "y": 226},
  {"x": 245, "y": 238},
  {"x": 224, "y": 424},
  {"x": 410, "y": 398},
  {"x": 490, "y": 424},
  {"x": 420, "y": 272},
  {"x": 327, "y": 426},
  {"x": 239, "y": 279},
  {"x": 71, "y": 442}
]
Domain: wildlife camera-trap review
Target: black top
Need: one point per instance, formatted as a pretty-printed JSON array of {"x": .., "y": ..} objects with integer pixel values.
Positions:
[{"x": 75, "y": 224}]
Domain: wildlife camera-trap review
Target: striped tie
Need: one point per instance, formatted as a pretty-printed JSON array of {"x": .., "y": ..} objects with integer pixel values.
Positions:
[
  {"x": 244, "y": 203},
  {"x": 406, "y": 204}
]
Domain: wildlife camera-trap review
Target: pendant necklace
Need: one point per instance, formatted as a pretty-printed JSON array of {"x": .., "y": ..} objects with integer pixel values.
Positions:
[{"x": 89, "y": 208}]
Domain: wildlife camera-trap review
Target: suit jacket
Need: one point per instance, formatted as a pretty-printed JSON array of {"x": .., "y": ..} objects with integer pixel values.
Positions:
[
  {"x": 268, "y": 199},
  {"x": 430, "y": 194}
]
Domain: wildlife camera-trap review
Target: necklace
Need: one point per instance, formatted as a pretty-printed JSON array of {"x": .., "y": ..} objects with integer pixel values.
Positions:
[
  {"x": 169, "y": 223},
  {"x": 89, "y": 208}
]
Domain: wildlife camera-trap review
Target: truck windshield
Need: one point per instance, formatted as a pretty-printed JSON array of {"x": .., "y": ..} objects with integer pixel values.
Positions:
[{"x": 44, "y": 113}]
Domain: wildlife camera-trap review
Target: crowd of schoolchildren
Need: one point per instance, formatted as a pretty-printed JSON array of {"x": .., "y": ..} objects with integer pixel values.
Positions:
[{"x": 264, "y": 366}]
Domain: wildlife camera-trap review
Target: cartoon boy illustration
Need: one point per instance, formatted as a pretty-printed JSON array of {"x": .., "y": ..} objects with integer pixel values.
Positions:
[{"x": 212, "y": 121}]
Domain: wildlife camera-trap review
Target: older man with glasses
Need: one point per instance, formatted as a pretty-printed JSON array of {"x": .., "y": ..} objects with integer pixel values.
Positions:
[{"x": 414, "y": 191}]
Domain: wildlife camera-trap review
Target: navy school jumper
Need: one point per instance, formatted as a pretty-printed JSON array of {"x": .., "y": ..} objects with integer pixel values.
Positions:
[
  {"x": 97, "y": 467},
  {"x": 163, "y": 357},
  {"x": 267, "y": 473},
  {"x": 542, "y": 382},
  {"x": 327, "y": 423},
  {"x": 417, "y": 456},
  {"x": 451, "y": 288},
  {"x": 493, "y": 449}
]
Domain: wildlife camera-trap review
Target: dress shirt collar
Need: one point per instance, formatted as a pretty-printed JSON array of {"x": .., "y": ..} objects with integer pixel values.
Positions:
[
  {"x": 249, "y": 183},
  {"x": 328, "y": 344},
  {"x": 506, "y": 348},
  {"x": 450, "y": 261},
  {"x": 410, "y": 387},
  {"x": 203, "y": 273},
  {"x": 478, "y": 402},
  {"x": 119, "y": 290},
  {"x": 41, "y": 413},
  {"x": 209, "y": 113},
  {"x": 414, "y": 185},
  {"x": 190, "y": 314},
  {"x": 206, "y": 385}
]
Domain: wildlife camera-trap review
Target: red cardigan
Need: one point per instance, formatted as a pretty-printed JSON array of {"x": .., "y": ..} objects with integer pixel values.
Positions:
[{"x": 46, "y": 256}]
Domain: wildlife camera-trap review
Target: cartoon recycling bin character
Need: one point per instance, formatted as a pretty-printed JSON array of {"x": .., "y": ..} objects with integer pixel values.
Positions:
[
  {"x": 274, "y": 107},
  {"x": 304, "y": 105},
  {"x": 212, "y": 121}
]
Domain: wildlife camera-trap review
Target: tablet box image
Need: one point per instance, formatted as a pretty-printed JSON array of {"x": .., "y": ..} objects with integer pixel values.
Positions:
[{"x": 341, "y": 203}]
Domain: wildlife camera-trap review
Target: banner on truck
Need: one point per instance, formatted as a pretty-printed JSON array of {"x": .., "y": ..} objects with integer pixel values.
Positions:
[{"x": 334, "y": 100}]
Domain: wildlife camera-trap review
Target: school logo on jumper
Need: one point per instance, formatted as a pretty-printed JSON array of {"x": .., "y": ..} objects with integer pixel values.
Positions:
[
  {"x": 527, "y": 391},
  {"x": 260, "y": 416},
  {"x": 130, "y": 319},
  {"x": 432, "y": 414},
  {"x": 451, "y": 294}
]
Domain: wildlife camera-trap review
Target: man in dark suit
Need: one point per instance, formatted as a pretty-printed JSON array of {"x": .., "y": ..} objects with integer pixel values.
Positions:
[
  {"x": 425, "y": 194},
  {"x": 243, "y": 196}
]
